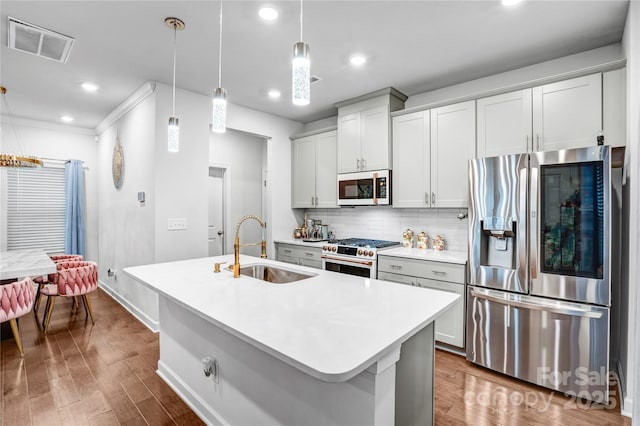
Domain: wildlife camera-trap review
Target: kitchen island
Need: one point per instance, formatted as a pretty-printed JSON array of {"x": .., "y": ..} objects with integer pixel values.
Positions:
[{"x": 329, "y": 349}]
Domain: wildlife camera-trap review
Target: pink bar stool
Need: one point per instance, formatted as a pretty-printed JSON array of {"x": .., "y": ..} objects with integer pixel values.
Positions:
[
  {"x": 72, "y": 279},
  {"x": 16, "y": 300}
]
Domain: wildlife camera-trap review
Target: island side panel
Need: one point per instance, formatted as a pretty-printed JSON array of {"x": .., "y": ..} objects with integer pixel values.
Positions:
[
  {"x": 414, "y": 379},
  {"x": 254, "y": 387}
]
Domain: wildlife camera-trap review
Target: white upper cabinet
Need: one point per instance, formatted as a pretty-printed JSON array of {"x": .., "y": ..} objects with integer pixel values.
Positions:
[
  {"x": 563, "y": 115},
  {"x": 376, "y": 144},
  {"x": 411, "y": 180},
  {"x": 567, "y": 114},
  {"x": 364, "y": 139},
  {"x": 349, "y": 151},
  {"x": 453, "y": 136},
  {"x": 326, "y": 172},
  {"x": 313, "y": 171},
  {"x": 431, "y": 150},
  {"x": 504, "y": 124}
]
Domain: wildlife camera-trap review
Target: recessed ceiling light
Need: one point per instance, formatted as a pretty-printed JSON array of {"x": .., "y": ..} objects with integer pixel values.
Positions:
[
  {"x": 358, "y": 60},
  {"x": 66, "y": 118},
  {"x": 510, "y": 2},
  {"x": 274, "y": 94},
  {"x": 89, "y": 87},
  {"x": 268, "y": 13}
]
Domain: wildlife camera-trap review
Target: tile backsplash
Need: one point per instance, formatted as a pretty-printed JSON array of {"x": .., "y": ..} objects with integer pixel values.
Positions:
[{"x": 388, "y": 223}]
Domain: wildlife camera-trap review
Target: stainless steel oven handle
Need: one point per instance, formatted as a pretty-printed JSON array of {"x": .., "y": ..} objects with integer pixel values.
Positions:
[
  {"x": 574, "y": 312},
  {"x": 348, "y": 261}
]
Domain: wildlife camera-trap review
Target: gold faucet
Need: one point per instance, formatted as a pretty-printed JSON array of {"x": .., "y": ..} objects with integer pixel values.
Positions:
[{"x": 237, "y": 245}]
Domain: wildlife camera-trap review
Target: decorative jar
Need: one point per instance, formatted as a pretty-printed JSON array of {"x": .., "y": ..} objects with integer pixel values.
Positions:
[
  {"x": 407, "y": 238},
  {"x": 423, "y": 240},
  {"x": 438, "y": 243}
]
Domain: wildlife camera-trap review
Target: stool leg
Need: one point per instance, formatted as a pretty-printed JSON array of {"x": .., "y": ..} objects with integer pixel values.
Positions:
[
  {"x": 38, "y": 295},
  {"x": 87, "y": 304},
  {"x": 16, "y": 335},
  {"x": 50, "y": 304}
]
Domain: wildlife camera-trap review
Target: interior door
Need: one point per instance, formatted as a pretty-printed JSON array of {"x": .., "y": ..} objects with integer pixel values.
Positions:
[{"x": 216, "y": 211}]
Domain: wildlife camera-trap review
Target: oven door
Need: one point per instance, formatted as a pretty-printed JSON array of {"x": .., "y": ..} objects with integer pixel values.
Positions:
[{"x": 357, "y": 267}]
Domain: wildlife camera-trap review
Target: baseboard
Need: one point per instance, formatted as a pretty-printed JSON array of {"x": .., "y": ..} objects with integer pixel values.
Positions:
[
  {"x": 189, "y": 396},
  {"x": 148, "y": 322},
  {"x": 626, "y": 402}
]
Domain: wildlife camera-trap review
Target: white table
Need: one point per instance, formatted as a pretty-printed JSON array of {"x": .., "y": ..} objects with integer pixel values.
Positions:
[{"x": 15, "y": 264}]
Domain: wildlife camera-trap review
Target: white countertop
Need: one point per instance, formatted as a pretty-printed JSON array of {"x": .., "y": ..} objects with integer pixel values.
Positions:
[
  {"x": 331, "y": 326},
  {"x": 25, "y": 263},
  {"x": 300, "y": 242},
  {"x": 447, "y": 256}
]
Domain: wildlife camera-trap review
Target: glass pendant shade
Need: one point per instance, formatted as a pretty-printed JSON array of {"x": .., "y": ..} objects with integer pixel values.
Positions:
[
  {"x": 219, "y": 122},
  {"x": 173, "y": 135},
  {"x": 301, "y": 74}
]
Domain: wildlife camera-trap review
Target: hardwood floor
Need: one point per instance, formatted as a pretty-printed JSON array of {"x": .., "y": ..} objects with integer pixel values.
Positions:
[{"x": 104, "y": 374}]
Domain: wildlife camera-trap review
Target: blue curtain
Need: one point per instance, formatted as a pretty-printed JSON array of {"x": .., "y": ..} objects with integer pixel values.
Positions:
[{"x": 74, "y": 208}]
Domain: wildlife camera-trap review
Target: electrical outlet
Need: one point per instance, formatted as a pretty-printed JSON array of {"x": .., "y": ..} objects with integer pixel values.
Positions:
[{"x": 177, "y": 224}]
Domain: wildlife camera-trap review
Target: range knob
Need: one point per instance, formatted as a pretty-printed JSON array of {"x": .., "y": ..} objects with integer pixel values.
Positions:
[
  {"x": 324, "y": 248},
  {"x": 370, "y": 253},
  {"x": 333, "y": 249},
  {"x": 360, "y": 253}
]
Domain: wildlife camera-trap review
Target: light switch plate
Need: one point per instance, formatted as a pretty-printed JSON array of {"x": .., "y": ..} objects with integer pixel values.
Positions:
[{"x": 177, "y": 224}]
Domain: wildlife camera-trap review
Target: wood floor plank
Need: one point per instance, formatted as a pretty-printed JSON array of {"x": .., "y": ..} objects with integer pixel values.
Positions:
[
  {"x": 43, "y": 410},
  {"x": 153, "y": 412}
]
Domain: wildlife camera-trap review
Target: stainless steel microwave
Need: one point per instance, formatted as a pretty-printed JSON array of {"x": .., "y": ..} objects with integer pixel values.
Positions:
[{"x": 364, "y": 188}]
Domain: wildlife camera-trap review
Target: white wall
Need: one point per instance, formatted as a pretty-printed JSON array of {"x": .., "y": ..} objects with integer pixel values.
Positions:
[
  {"x": 127, "y": 231},
  {"x": 630, "y": 353},
  {"x": 63, "y": 143},
  {"x": 278, "y": 130},
  {"x": 243, "y": 154},
  {"x": 181, "y": 178}
]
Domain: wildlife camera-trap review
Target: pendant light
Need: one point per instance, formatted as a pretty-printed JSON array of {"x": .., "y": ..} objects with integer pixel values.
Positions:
[
  {"x": 219, "y": 122},
  {"x": 173, "y": 131},
  {"x": 17, "y": 158},
  {"x": 301, "y": 70}
]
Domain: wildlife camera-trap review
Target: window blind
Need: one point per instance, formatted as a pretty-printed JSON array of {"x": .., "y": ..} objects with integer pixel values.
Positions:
[{"x": 35, "y": 209}]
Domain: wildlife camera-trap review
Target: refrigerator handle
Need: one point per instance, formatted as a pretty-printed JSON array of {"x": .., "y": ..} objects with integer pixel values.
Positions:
[
  {"x": 522, "y": 229},
  {"x": 533, "y": 224},
  {"x": 547, "y": 307}
]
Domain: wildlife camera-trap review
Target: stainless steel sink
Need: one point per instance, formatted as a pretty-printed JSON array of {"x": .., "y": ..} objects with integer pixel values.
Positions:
[{"x": 272, "y": 274}]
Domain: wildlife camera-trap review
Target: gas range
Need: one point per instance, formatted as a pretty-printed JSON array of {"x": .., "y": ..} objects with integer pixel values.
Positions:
[{"x": 357, "y": 247}]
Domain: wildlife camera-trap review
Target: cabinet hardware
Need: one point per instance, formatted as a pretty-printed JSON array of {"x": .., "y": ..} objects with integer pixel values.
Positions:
[
  {"x": 433, "y": 199},
  {"x": 439, "y": 272},
  {"x": 308, "y": 254},
  {"x": 364, "y": 164},
  {"x": 526, "y": 149},
  {"x": 395, "y": 266},
  {"x": 287, "y": 250},
  {"x": 316, "y": 201},
  {"x": 426, "y": 198},
  {"x": 357, "y": 164},
  {"x": 537, "y": 142}
]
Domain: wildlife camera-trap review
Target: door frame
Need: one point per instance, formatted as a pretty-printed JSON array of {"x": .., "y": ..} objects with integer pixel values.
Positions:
[{"x": 226, "y": 190}]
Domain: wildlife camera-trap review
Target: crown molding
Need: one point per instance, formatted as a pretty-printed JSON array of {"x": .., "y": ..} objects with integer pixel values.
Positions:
[
  {"x": 134, "y": 99},
  {"x": 27, "y": 122}
]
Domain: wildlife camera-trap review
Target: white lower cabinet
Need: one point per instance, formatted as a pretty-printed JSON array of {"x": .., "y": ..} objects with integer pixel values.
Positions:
[
  {"x": 299, "y": 255},
  {"x": 435, "y": 275}
]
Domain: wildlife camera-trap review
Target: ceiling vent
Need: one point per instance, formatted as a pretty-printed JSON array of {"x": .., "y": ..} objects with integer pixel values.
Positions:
[{"x": 38, "y": 41}]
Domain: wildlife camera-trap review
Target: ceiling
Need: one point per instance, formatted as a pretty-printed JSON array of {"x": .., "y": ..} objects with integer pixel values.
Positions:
[{"x": 414, "y": 46}]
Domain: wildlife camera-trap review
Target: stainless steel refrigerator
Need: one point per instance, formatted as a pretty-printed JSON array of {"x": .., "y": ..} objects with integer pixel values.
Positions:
[{"x": 539, "y": 294}]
